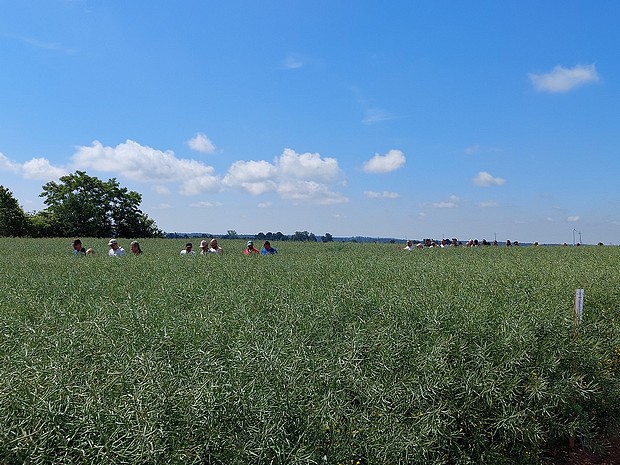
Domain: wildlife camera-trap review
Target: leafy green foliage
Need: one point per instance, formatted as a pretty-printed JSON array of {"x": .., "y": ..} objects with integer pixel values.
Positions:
[
  {"x": 325, "y": 353},
  {"x": 13, "y": 220},
  {"x": 83, "y": 205}
]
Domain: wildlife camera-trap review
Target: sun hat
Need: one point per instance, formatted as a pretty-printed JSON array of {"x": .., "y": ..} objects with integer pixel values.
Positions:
[
  {"x": 203, "y": 243},
  {"x": 250, "y": 243},
  {"x": 112, "y": 241},
  {"x": 213, "y": 241}
]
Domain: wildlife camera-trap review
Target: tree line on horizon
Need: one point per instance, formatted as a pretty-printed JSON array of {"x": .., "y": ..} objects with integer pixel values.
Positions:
[{"x": 301, "y": 236}]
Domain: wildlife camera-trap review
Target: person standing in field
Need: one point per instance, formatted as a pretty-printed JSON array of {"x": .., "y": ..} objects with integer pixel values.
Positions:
[
  {"x": 135, "y": 248},
  {"x": 115, "y": 249},
  {"x": 214, "y": 248},
  {"x": 267, "y": 249},
  {"x": 204, "y": 247},
  {"x": 409, "y": 246},
  {"x": 188, "y": 249},
  {"x": 250, "y": 249},
  {"x": 79, "y": 250}
]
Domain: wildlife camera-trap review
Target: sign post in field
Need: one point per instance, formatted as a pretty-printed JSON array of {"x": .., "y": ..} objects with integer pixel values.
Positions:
[{"x": 579, "y": 295}]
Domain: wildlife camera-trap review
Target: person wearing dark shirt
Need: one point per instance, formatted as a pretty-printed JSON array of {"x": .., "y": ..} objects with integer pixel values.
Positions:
[{"x": 78, "y": 248}]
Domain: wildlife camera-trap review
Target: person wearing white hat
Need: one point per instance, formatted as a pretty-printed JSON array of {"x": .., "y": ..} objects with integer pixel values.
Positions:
[
  {"x": 115, "y": 249},
  {"x": 204, "y": 247}
]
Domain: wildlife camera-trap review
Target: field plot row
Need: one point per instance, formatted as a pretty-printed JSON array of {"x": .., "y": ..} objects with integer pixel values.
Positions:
[{"x": 324, "y": 353}]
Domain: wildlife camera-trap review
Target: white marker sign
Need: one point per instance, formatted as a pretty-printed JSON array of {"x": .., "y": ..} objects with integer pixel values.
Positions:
[{"x": 579, "y": 305}]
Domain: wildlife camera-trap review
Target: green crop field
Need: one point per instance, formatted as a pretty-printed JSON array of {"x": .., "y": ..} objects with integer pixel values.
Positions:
[{"x": 324, "y": 353}]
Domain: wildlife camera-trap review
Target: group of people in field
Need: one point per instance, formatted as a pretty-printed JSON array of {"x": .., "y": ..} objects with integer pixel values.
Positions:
[
  {"x": 445, "y": 243},
  {"x": 212, "y": 247},
  {"x": 206, "y": 247}
]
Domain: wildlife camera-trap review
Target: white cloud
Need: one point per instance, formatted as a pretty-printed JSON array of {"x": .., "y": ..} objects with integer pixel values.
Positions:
[
  {"x": 452, "y": 202},
  {"x": 265, "y": 204},
  {"x": 391, "y": 161},
  {"x": 484, "y": 179},
  {"x": 141, "y": 163},
  {"x": 489, "y": 204},
  {"x": 309, "y": 192},
  {"x": 8, "y": 165},
  {"x": 255, "y": 177},
  {"x": 297, "y": 177},
  {"x": 564, "y": 79},
  {"x": 201, "y": 143},
  {"x": 40, "y": 168},
  {"x": 381, "y": 195},
  {"x": 200, "y": 184},
  {"x": 307, "y": 166},
  {"x": 573, "y": 219},
  {"x": 36, "y": 168}
]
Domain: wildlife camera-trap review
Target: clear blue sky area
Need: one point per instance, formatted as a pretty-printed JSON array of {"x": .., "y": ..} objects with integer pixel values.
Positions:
[{"x": 404, "y": 119}]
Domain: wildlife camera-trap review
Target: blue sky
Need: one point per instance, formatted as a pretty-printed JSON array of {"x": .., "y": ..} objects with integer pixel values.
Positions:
[{"x": 405, "y": 119}]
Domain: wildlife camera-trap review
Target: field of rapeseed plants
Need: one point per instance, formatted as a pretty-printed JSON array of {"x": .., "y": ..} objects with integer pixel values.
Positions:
[{"x": 323, "y": 353}]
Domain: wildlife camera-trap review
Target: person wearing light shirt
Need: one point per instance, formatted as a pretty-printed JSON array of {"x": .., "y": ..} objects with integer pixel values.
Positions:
[{"x": 115, "y": 249}]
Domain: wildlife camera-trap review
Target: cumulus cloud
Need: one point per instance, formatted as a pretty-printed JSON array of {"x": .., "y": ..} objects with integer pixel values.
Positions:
[
  {"x": 573, "y": 219},
  {"x": 298, "y": 177},
  {"x": 562, "y": 79},
  {"x": 307, "y": 166},
  {"x": 201, "y": 143},
  {"x": 36, "y": 168},
  {"x": 200, "y": 184},
  {"x": 452, "y": 202},
  {"x": 381, "y": 195},
  {"x": 387, "y": 163},
  {"x": 141, "y": 163},
  {"x": 255, "y": 177},
  {"x": 41, "y": 168},
  {"x": 484, "y": 179},
  {"x": 310, "y": 192}
]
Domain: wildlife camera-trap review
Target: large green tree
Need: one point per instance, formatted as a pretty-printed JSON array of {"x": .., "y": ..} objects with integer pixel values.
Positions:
[
  {"x": 82, "y": 205},
  {"x": 13, "y": 220}
]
